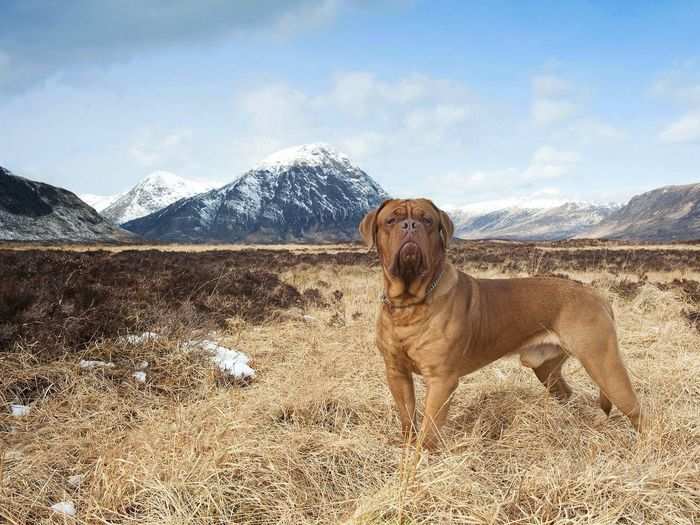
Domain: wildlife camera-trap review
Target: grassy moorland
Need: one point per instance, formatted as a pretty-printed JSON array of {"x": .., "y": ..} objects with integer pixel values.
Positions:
[{"x": 314, "y": 438}]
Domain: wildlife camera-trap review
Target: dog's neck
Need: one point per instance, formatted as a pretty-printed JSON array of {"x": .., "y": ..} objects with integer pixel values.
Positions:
[{"x": 415, "y": 293}]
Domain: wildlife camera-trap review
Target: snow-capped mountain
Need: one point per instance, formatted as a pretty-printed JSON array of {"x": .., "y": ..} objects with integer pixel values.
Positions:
[
  {"x": 155, "y": 192},
  {"x": 304, "y": 193},
  {"x": 99, "y": 202},
  {"x": 34, "y": 211},
  {"x": 670, "y": 213},
  {"x": 561, "y": 222}
]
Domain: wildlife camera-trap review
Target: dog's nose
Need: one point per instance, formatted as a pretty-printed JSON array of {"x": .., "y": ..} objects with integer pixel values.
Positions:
[{"x": 409, "y": 225}]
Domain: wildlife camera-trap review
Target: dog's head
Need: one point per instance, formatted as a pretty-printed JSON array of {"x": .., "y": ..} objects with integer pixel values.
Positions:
[{"x": 411, "y": 236}]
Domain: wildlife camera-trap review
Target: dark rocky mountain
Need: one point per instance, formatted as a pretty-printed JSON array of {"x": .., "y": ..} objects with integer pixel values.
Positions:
[
  {"x": 308, "y": 193},
  {"x": 561, "y": 222},
  {"x": 34, "y": 211},
  {"x": 671, "y": 213}
]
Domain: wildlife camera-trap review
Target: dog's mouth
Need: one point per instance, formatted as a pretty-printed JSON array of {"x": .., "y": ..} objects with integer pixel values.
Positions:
[{"x": 409, "y": 262}]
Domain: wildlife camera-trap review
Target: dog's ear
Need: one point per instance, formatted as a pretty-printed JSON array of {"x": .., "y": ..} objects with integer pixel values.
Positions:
[
  {"x": 447, "y": 228},
  {"x": 368, "y": 226}
]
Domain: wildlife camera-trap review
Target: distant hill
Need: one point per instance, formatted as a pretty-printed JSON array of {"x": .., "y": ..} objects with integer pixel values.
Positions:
[
  {"x": 671, "y": 213},
  {"x": 153, "y": 193},
  {"x": 34, "y": 211},
  {"x": 308, "y": 193},
  {"x": 561, "y": 222}
]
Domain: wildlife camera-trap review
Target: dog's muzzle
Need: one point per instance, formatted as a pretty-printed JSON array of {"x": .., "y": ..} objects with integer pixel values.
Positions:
[{"x": 409, "y": 261}]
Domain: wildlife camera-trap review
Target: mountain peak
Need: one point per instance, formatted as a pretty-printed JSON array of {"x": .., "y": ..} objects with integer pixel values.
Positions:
[
  {"x": 314, "y": 155},
  {"x": 154, "y": 192},
  {"x": 167, "y": 179}
]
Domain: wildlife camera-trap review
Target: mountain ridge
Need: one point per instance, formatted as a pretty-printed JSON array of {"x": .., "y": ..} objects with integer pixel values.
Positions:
[
  {"x": 669, "y": 213},
  {"x": 304, "y": 193},
  {"x": 36, "y": 211},
  {"x": 519, "y": 223}
]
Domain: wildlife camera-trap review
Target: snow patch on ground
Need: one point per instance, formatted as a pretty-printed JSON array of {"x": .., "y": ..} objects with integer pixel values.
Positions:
[
  {"x": 64, "y": 507},
  {"x": 88, "y": 364},
  {"x": 140, "y": 376},
  {"x": 230, "y": 362},
  {"x": 137, "y": 339},
  {"x": 20, "y": 410}
]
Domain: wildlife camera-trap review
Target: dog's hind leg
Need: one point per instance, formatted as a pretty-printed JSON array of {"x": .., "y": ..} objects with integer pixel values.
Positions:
[
  {"x": 549, "y": 374},
  {"x": 603, "y": 362},
  {"x": 605, "y": 404},
  {"x": 546, "y": 360}
]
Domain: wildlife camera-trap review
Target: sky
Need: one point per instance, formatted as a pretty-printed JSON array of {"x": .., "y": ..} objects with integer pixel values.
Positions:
[{"x": 477, "y": 105}]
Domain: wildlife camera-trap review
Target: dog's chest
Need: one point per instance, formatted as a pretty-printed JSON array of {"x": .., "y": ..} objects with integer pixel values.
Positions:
[{"x": 417, "y": 344}]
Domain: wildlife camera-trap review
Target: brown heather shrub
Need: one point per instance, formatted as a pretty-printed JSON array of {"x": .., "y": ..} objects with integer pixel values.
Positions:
[{"x": 68, "y": 300}]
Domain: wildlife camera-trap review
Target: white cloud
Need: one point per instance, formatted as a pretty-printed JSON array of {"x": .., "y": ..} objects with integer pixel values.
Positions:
[
  {"x": 549, "y": 111},
  {"x": 118, "y": 30},
  {"x": 360, "y": 113},
  {"x": 441, "y": 116},
  {"x": 274, "y": 107},
  {"x": 549, "y": 86},
  {"x": 457, "y": 181},
  {"x": 4, "y": 60},
  {"x": 551, "y": 102},
  {"x": 680, "y": 85},
  {"x": 308, "y": 16},
  {"x": 685, "y": 129},
  {"x": 592, "y": 128},
  {"x": 363, "y": 145},
  {"x": 549, "y": 163},
  {"x": 151, "y": 149},
  {"x": 360, "y": 92}
]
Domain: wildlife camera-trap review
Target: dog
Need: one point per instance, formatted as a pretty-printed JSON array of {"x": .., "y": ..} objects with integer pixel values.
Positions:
[{"x": 440, "y": 323}]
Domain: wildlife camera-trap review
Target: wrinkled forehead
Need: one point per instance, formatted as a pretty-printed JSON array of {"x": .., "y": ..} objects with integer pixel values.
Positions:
[{"x": 408, "y": 208}]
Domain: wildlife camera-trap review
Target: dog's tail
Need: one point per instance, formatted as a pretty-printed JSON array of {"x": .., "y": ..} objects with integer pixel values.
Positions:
[{"x": 605, "y": 403}]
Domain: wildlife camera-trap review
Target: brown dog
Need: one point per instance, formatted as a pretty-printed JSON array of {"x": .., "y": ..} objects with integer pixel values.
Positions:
[{"x": 442, "y": 324}]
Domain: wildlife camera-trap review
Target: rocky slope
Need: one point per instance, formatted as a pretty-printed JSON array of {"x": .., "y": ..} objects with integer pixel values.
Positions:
[
  {"x": 34, "y": 211},
  {"x": 671, "y": 213},
  {"x": 307, "y": 193}
]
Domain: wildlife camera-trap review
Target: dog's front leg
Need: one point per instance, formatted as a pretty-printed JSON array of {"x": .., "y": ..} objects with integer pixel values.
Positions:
[
  {"x": 400, "y": 381},
  {"x": 437, "y": 402}
]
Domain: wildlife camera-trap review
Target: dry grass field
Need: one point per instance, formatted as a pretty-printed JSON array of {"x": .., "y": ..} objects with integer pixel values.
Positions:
[{"x": 313, "y": 438}]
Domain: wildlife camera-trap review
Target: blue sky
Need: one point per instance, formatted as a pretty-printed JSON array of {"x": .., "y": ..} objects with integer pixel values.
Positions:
[{"x": 482, "y": 104}]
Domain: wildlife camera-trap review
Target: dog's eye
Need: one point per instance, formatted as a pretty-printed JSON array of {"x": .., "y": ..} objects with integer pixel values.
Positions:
[
  {"x": 427, "y": 220},
  {"x": 391, "y": 221}
]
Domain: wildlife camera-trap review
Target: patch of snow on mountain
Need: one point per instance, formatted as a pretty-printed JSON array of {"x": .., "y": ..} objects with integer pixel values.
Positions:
[
  {"x": 312, "y": 155},
  {"x": 99, "y": 202},
  {"x": 155, "y": 192}
]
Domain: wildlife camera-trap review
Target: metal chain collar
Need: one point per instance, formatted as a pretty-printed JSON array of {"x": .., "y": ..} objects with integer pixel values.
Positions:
[{"x": 430, "y": 290}]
